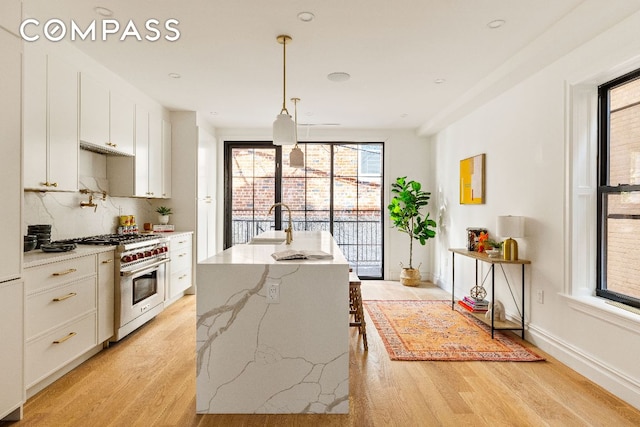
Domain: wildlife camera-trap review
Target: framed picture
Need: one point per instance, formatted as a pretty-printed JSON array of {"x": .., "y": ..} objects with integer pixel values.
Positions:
[{"x": 472, "y": 180}]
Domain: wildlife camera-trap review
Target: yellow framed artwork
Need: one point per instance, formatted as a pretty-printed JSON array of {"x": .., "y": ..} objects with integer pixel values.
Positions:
[{"x": 472, "y": 180}]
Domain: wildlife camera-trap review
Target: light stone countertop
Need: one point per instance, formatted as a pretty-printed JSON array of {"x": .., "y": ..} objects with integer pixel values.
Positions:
[
  {"x": 38, "y": 257},
  {"x": 261, "y": 253}
]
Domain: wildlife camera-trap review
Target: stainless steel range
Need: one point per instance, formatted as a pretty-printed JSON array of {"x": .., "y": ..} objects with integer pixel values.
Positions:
[{"x": 140, "y": 277}]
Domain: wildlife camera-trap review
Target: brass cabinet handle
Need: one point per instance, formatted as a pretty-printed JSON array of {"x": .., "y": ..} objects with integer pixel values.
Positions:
[
  {"x": 182, "y": 241},
  {"x": 69, "y": 295},
  {"x": 49, "y": 184},
  {"x": 111, "y": 144},
  {"x": 62, "y": 273},
  {"x": 107, "y": 261},
  {"x": 69, "y": 336},
  {"x": 181, "y": 255}
]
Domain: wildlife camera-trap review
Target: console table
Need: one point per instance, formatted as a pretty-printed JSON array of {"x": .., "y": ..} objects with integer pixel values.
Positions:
[{"x": 480, "y": 256}]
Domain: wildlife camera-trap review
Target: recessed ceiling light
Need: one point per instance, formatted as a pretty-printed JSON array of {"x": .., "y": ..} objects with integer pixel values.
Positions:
[
  {"x": 439, "y": 81},
  {"x": 103, "y": 11},
  {"x": 174, "y": 75},
  {"x": 339, "y": 76},
  {"x": 497, "y": 23},
  {"x": 306, "y": 16}
]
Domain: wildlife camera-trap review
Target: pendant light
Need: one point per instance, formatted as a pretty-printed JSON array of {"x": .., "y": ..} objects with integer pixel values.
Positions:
[
  {"x": 283, "y": 126},
  {"x": 296, "y": 157}
]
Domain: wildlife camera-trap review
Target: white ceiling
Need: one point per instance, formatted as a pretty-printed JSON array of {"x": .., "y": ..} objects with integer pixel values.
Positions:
[{"x": 394, "y": 50}]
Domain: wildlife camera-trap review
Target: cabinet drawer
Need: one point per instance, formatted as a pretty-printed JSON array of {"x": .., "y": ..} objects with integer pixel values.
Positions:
[
  {"x": 57, "y": 305},
  {"x": 179, "y": 281},
  {"x": 179, "y": 243},
  {"x": 54, "y": 350},
  {"x": 180, "y": 260},
  {"x": 58, "y": 273}
]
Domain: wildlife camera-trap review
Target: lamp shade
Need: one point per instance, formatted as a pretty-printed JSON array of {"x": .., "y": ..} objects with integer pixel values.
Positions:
[
  {"x": 296, "y": 157},
  {"x": 510, "y": 226},
  {"x": 284, "y": 130}
]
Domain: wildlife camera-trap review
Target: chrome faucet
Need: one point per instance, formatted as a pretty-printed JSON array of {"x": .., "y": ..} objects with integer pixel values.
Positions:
[{"x": 288, "y": 231}]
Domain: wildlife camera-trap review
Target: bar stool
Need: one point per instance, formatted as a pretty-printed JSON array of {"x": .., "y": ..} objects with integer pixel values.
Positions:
[{"x": 355, "y": 308}]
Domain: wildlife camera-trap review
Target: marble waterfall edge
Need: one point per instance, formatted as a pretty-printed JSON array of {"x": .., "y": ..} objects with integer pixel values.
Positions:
[{"x": 289, "y": 357}]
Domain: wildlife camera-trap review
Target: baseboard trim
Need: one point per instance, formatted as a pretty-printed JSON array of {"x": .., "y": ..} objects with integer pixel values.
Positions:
[{"x": 616, "y": 382}]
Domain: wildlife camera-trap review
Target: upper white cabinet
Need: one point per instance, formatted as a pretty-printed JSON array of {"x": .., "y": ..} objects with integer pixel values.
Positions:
[
  {"x": 155, "y": 156},
  {"x": 106, "y": 118},
  {"x": 142, "y": 175},
  {"x": 10, "y": 161},
  {"x": 122, "y": 122},
  {"x": 50, "y": 131},
  {"x": 11, "y": 16},
  {"x": 141, "y": 165},
  {"x": 166, "y": 159}
]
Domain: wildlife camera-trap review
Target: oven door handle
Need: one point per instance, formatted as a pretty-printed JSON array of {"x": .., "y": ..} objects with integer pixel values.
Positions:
[{"x": 145, "y": 268}]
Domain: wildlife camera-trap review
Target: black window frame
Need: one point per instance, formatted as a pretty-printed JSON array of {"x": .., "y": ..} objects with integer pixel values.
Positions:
[
  {"x": 605, "y": 188},
  {"x": 228, "y": 190}
]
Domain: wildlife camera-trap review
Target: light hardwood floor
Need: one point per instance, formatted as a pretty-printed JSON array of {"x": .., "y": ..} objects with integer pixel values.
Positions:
[{"x": 148, "y": 379}]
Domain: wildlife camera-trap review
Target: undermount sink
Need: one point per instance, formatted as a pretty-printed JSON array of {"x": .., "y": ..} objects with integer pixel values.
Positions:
[{"x": 267, "y": 241}]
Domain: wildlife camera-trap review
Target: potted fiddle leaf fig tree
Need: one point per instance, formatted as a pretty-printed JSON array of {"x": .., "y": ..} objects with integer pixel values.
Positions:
[{"x": 405, "y": 213}]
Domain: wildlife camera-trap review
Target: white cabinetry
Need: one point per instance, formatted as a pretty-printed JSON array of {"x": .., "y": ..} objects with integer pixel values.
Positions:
[
  {"x": 12, "y": 339},
  {"x": 166, "y": 159},
  {"x": 106, "y": 119},
  {"x": 11, "y": 286},
  {"x": 50, "y": 122},
  {"x": 143, "y": 175},
  {"x": 10, "y": 160},
  {"x": 61, "y": 317},
  {"x": 206, "y": 240},
  {"x": 155, "y": 155},
  {"x": 106, "y": 276},
  {"x": 181, "y": 266}
]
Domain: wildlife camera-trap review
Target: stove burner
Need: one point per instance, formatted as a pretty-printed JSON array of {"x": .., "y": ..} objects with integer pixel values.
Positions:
[{"x": 111, "y": 239}]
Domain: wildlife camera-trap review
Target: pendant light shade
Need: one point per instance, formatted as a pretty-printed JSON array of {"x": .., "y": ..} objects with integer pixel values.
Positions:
[
  {"x": 284, "y": 129},
  {"x": 296, "y": 157}
]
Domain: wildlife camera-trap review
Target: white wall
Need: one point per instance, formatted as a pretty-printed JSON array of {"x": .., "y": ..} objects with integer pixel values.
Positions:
[
  {"x": 524, "y": 133},
  {"x": 405, "y": 154}
]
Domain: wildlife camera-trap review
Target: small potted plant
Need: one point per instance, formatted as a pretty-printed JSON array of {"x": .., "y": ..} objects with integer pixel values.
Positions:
[
  {"x": 404, "y": 211},
  {"x": 163, "y": 214}
]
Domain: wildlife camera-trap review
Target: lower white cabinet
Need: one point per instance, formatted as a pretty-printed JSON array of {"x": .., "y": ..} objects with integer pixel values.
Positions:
[
  {"x": 68, "y": 313},
  {"x": 12, "y": 338},
  {"x": 106, "y": 276},
  {"x": 180, "y": 277}
]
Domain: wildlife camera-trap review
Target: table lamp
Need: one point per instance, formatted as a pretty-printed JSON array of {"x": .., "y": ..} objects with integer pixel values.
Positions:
[{"x": 510, "y": 226}]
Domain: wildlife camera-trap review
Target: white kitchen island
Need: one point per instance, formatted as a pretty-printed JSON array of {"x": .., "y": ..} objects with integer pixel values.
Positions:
[{"x": 286, "y": 357}]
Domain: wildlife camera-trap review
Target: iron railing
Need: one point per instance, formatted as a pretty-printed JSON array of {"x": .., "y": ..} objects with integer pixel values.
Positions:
[{"x": 359, "y": 240}]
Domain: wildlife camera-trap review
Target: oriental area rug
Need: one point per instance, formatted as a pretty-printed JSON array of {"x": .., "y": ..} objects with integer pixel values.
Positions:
[{"x": 430, "y": 330}]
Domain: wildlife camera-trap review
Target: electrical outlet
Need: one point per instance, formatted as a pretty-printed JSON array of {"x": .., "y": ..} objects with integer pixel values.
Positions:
[
  {"x": 273, "y": 293},
  {"x": 540, "y": 295}
]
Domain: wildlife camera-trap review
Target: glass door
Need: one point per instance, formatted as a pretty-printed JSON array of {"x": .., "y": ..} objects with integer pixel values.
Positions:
[{"x": 339, "y": 190}]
